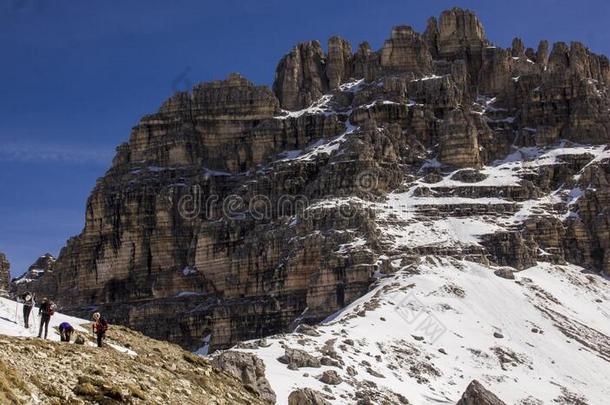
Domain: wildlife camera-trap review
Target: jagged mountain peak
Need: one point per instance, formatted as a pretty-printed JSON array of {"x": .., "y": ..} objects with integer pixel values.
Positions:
[{"x": 237, "y": 212}]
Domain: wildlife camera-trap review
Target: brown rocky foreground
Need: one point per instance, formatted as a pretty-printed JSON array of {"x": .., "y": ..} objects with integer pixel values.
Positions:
[{"x": 38, "y": 371}]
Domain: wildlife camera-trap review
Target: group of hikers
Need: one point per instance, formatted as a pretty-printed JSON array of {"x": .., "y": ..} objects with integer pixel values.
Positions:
[{"x": 47, "y": 309}]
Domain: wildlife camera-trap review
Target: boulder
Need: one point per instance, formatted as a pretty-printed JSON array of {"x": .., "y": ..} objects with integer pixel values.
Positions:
[
  {"x": 476, "y": 394},
  {"x": 307, "y": 396},
  {"x": 297, "y": 358},
  {"x": 331, "y": 377},
  {"x": 247, "y": 368}
]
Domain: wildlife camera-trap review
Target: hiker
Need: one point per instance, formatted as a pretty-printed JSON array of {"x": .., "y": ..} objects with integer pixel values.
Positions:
[
  {"x": 28, "y": 303},
  {"x": 65, "y": 331},
  {"x": 100, "y": 326},
  {"x": 46, "y": 311}
]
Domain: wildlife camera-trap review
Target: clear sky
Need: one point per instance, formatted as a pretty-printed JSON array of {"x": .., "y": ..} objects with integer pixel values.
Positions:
[{"x": 75, "y": 76}]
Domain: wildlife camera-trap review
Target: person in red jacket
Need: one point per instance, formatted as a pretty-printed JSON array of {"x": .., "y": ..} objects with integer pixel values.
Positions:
[{"x": 100, "y": 326}]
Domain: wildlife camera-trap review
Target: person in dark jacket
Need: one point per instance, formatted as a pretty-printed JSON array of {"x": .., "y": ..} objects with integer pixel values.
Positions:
[
  {"x": 28, "y": 303},
  {"x": 46, "y": 311},
  {"x": 100, "y": 326},
  {"x": 65, "y": 331}
]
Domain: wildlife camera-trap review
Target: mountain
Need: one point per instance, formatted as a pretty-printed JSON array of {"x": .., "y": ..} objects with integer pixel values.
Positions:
[
  {"x": 132, "y": 369},
  {"x": 238, "y": 211},
  {"x": 42, "y": 265}
]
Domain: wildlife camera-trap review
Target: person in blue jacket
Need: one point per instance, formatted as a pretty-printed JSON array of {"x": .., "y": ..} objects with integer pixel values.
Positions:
[{"x": 65, "y": 331}]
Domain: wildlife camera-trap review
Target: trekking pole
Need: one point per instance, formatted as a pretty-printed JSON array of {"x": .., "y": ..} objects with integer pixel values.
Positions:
[{"x": 33, "y": 315}]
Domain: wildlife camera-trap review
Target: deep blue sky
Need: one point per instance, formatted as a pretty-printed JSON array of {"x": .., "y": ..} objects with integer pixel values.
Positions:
[{"x": 75, "y": 76}]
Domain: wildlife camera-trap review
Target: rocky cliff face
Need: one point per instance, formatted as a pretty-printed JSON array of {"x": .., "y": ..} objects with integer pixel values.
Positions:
[
  {"x": 236, "y": 211},
  {"x": 5, "y": 276}
]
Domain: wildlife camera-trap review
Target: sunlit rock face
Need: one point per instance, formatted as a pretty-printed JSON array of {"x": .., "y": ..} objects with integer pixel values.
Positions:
[{"x": 237, "y": 211}]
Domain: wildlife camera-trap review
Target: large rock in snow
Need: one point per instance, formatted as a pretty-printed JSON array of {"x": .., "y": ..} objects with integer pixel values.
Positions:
[
  {"x": 249, "y": 369},
  {"x": 476, "y": 394},
  {"x": 306, "y": 396}
]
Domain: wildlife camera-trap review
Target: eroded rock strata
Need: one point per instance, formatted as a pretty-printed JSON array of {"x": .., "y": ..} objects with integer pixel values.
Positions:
[{"x": 237, "y": 211}]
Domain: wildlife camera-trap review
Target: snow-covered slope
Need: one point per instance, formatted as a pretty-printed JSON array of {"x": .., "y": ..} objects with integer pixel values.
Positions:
[
  {"x": 429, "y": 329},
  {"x": 11, "y": 321},
  {"x": 11, "y": 324}
]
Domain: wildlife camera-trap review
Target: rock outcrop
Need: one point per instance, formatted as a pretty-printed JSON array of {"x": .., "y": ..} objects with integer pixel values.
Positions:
[
  {"x": 5, "y": 275},
  {"x": 247, "y": 368},
  {"x": 306, "y": 396},
  {"x": 476, "y": 394},
  {"x": 300, "y": 77},
  {"x": 236, "y": 211}
]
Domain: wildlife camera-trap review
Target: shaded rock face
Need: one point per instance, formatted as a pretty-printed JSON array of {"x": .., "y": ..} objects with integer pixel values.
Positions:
[
  {"x": 5, "y": 276},
  {"x": 476, "y": 394},
  {"x": 300, "y": 77},
  {"x": 226, "y": 217}
]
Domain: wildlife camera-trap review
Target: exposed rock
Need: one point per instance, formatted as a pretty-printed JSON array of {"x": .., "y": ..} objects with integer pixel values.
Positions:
[
  {"x": 339, "y": 62},
  {"x": 542, "y": 54},
  {"x": 300, "y": 78},
  {"x": 299, "y": 358},
  {"x": 476, "y": 394},
  {"x": 510, "y": 249},
  {"x": 517, "y": 48},
  {"x": 366, "y": 62},
  {"x": 331, "y": 377},
  {"x": 505, "y": 273},
  {"x": 458, "y": 35},
  {"x": 307, "y": 396},
  {"x": 5, "y": 275},
  {"x": 459, "y": 141},
  {"x": 249, "y": 369},
  {"x": 307, "y": 330},
  {"x": 406, "y": 51}
]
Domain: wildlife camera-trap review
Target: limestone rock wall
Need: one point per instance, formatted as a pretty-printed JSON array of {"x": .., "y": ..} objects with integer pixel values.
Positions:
[{"x": 236, "y": 211}]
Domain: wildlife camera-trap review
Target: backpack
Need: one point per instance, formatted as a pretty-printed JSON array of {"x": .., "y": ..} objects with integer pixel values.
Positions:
[
  {"x": 102, "y": 325},
  {"x": 51, "y": 309}
]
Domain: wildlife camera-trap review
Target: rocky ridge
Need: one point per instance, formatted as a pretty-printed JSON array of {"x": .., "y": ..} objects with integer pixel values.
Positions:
[
  {"x": 237, "y": 211},
  {"x": 42, "y": 265}
]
